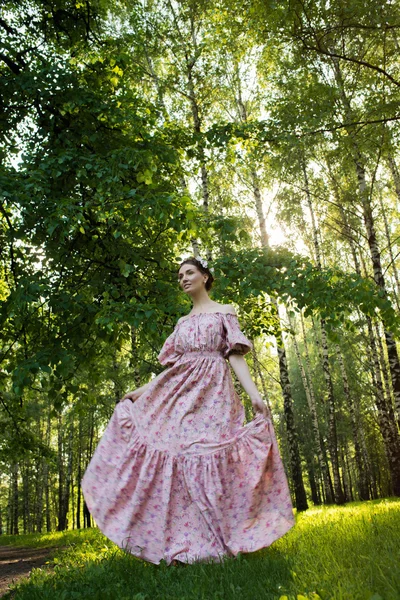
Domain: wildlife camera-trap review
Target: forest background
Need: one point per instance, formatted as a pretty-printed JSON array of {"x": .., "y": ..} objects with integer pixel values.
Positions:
[{"x": 260, "y": 135}]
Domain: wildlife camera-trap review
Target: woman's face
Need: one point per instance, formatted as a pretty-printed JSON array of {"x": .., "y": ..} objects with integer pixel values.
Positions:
[{"x": 190, "y": 278}]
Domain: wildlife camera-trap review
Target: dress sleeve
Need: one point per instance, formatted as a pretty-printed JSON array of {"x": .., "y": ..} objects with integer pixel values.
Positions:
[
  {"x": 168, "y": 354},
  {"x": 235, "y": 340}
]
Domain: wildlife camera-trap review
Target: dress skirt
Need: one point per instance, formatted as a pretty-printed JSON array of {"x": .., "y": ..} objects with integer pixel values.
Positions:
[{"x": 176, "y": 474}]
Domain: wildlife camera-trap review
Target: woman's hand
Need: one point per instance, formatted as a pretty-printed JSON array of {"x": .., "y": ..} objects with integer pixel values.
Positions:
[
  {"x": 259, "y": 406},
  {"x": 134, "y": 395}
]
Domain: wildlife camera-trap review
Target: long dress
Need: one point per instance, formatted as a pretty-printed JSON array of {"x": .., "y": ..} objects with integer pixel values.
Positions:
[{"x": 176, "y": 474}]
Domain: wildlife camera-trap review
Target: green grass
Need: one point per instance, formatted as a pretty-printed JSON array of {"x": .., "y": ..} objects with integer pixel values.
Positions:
[{"x": 336, "y": 553}]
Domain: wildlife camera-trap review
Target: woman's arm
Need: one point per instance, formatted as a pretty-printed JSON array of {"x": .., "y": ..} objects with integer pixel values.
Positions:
[{"x": 241, "y": 368}]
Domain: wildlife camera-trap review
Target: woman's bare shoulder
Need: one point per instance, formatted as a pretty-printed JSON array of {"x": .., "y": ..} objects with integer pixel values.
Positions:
[{"x": 228, "y": 309}]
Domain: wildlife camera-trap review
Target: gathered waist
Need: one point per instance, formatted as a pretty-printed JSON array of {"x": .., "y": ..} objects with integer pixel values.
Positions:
[{"x": 198, "y": 353}]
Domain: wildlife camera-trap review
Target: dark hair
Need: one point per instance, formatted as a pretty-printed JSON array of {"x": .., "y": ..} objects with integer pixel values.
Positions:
[{"x": 193, "y": 261}]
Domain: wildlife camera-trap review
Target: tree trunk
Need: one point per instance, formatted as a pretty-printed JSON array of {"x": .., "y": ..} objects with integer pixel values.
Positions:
[
  {"x": 294, "y": 452},
  {"x": 79, "y": 477},
  {"x": 392, "y": 263},
  {"x": 311, "y": 472},
  {"x": 328, "y": 494},
  {"x": 396, "y": 176},
  {"x": 63, "y": 524},
  {"x": 133, "y": 357},
  {"x": 333, "y": 444},
  {"x": 387, "y": 426},
  {"x": 46, "y": 474},
  {"x": 15, "y": 499},
  {"x": 60, "y": 458},
  {"x": 86, "y": 513},
  {"x": 339, "y": 496},
  {"x": 115, "y": 378},
  {"x": 361, "y": 472},
  {"x": 384, "y": 371},
  {"x": 25, "y": 497},
  {"x": 371, "y": 478},
  {"x": 310, "y": 463}
]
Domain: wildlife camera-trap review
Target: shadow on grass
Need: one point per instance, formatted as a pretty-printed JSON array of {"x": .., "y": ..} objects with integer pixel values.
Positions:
[{"x": 117, "y": 574}]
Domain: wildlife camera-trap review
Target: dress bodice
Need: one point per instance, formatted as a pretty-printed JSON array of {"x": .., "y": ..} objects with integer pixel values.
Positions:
[{"x": 204, "y": 332}]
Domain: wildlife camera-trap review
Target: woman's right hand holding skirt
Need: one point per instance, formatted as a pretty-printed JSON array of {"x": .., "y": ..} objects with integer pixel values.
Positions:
[{"x": 134, "y": 395}]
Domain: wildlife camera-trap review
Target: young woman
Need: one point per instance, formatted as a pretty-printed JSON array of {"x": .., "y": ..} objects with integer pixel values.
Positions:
[{"x": 176, "y": 475}]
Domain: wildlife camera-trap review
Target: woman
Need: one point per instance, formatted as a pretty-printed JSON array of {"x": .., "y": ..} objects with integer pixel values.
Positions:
[{"x": 176, "y": 475}]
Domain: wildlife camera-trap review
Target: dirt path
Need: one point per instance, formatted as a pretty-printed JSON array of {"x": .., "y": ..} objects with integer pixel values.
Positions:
[{"x": 17, "y": 562}]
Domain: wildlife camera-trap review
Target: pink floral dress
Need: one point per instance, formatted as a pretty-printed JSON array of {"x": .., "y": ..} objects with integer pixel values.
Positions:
[{"x": 176, "y": 474}]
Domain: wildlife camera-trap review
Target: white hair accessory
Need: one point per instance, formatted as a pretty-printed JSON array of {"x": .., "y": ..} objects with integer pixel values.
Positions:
[{"x": 204, "y": 263}]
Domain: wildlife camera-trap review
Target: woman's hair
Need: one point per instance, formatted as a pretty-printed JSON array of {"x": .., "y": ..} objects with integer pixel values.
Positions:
[{"x": 193, "y": 261}]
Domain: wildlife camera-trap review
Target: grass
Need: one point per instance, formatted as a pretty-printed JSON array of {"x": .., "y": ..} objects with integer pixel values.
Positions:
[{"x": 332, "y": 553}]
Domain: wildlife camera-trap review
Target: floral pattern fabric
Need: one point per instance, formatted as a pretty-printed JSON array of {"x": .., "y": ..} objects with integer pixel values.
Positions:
[{"x": 176, "y": 474}]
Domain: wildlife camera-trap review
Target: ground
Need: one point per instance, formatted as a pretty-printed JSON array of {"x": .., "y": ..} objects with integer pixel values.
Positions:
[{"x": 17, "y": 562}]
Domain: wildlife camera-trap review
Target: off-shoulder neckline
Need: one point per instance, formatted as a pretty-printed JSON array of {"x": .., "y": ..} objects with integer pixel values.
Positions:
[{"x": 215, "y": 312}]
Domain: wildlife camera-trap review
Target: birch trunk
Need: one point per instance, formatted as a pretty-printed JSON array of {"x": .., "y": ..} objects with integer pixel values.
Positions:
[
  {"x": 384, "y": 371},
  {"x": 361, "y": 471},
  {"x": 395, "y": 174},
  {"x": 333, "y": 443},
  {"x": 392, "y": 262},
  {"x": 333, "y": 447},
  {"x": 312, "y": 478},
  {"x": 314, "y": 421},
  {"x": 371, "y": 478},
  {"x": 328, "y": 492},
  {"x": 294, "y": 452},
  {"x": 386, "y": 424}
]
